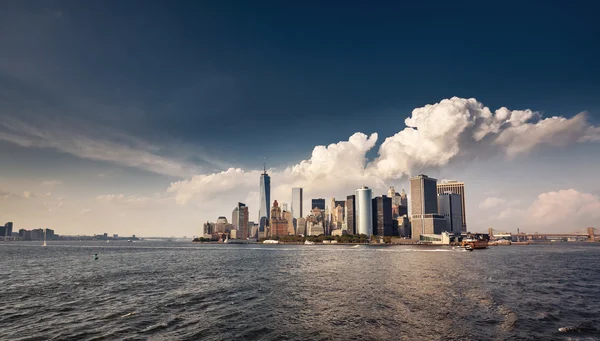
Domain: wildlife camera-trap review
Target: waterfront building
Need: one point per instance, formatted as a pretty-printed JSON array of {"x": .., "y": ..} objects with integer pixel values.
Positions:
[
  {"x": 364, "y": 211},
  {"x": 254, "y": 230},
  {"x": 450, "y": 206},
  {"x": 338, "y": 216},
  {"x": 423, "y": 200},
  {"x": 297, "y": 202},
  {"x": 6, "y": 230},
  {"x": 458, "y": 188},
  {"x": 319, "y": 203},
  {"x": 338, "y": 232},
  {"x": 291, "y": 228},
  {"x": 277, "y": 223},
  {"x": 341, "y": 203},
  {"x": 316, "y": 228},
  {"x": 221, "y": 225},
  {"x": 316, "y": 222},
  {"x": 382, "y": 216},
  {"x": 38, "y": 234},
  {"x": 351, "y": 214},
  {"x": 264, "y": 199},
  {"x": 427, "y": 224},
  {"x": 404, "y": 228},
  {"x": 301, "y": 226},
  {"x": 240, "y": 220},
  {"x": 208, "y": 229}
]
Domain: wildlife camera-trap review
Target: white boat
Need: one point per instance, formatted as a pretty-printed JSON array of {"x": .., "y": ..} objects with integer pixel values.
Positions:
[
  {"x": 270, "y": 241},
  {"x": 44, "y": 238},
  {"x": 308, "y": 242}
]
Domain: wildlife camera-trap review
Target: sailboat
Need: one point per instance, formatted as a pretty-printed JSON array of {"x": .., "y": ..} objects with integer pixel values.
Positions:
[{"x": 44, "y": 238}]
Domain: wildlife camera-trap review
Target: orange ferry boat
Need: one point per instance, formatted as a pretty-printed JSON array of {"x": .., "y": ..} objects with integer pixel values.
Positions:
[{"x": 472, "y": 244}]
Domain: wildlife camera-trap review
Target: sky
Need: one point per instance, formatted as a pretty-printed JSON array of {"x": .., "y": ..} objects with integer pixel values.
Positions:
[{"x": 153, "y": 117}]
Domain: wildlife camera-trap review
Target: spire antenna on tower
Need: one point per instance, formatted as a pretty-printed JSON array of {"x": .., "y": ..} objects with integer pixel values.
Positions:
[{"x": 264, "y": 165}]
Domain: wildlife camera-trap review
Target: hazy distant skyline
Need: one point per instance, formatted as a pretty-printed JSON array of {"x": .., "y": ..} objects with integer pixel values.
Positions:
[{"x": 151, "y": 117}]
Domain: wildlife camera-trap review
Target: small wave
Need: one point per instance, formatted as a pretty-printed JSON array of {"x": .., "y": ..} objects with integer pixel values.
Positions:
[{"x": 129, "y": 314}]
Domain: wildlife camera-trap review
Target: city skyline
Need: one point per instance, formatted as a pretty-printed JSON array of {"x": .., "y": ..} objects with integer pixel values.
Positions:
[{"x": 176, "y": 131}]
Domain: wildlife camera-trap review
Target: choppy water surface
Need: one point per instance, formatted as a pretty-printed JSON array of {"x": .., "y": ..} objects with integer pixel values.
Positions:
[{"x": 181, "y": 291}]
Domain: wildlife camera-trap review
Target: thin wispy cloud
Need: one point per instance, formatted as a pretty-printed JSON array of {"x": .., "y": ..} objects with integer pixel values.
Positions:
[
  {"x": 51, "y": 183},
  {"x": 94, "y": 143}
]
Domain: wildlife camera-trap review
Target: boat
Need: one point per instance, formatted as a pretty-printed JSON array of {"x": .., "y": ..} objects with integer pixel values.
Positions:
[
  {"x": 503, "y": 242},
  {"x": 270, "y": 241},
  {"x": 44, "y": 244},
  {"x": 237, "y": 241},
  {"x": 473, "y": 244},
  {"x": 308, "y": 242}
]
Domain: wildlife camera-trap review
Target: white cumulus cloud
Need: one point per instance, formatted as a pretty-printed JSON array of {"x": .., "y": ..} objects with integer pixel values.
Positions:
[
  {"x": 453, "y": 129},
  {"x": 491, "y": 202},
  {"x": 565, "y": 210},
  {"x": 463, "y": 128}
]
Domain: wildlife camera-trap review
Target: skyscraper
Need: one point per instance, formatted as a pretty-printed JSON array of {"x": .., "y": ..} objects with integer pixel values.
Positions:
[
  {"x": 403, "y": 198},
  {"x": 320, "y": 203},
  {"x": 423, "y": 195},
  {"x": 395, "y": 196},
  {"x": 423, "y": 201},
  {"x": 297, "y": 202},
  {"x": 351, "y": 214},
  {"x": 265, "y": 199},
  {"x": 301, "y": 226},
  {"x": 458, "y": 188},
  {"x": 382, "y": 216},
  {"x": 449, "y": 205},
  {"x": 278, "y": 224},
  {"x": 364, "y": 211}
]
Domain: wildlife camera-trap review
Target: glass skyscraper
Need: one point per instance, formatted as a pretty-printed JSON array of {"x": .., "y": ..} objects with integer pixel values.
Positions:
[
  {"x": 297, "y": 202},
  {"x": 265, "y": 199}
]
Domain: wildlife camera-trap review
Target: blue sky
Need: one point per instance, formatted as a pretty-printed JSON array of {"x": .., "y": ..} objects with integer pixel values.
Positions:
[{"x": 111, "y": 98}]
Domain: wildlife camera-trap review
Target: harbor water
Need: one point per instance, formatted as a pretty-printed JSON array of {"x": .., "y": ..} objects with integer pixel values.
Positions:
[{"x": 183, "y": 291}]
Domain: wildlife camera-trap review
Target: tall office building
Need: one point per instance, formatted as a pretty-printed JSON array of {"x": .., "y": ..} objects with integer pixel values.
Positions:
[
  {"x": 297, "y": 202},
  {"x": 287, "y": 215},
  {"x": 395, "y": 196},
  {"x": 6, "y": 230},
  {"x": 301, "y": 226},
  {"x": 423, "y": 201},
  {"x": 315, "y": 223},
  {"x": 351, "y": 214},
  {"x": 265, "y": 199},
  {"x": 277, "y": 222},
  {"x": 340, "y": 203},
  {"x": 382, "y": 216},
  {"x": 338, "y": 216},
  {"x": 450, "y": 206},
  {"x": 423, "y": 195},
  {"x": 319, "y": 203},
  {"x": 364, "y": 211},
  {"x": 221, "y": 225},
  {"x": 239, "y": 220},
  {"x": 235, "y": 217},
  {"x": 458, "y": 188},
  {"x": 403, "y": 198}
]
